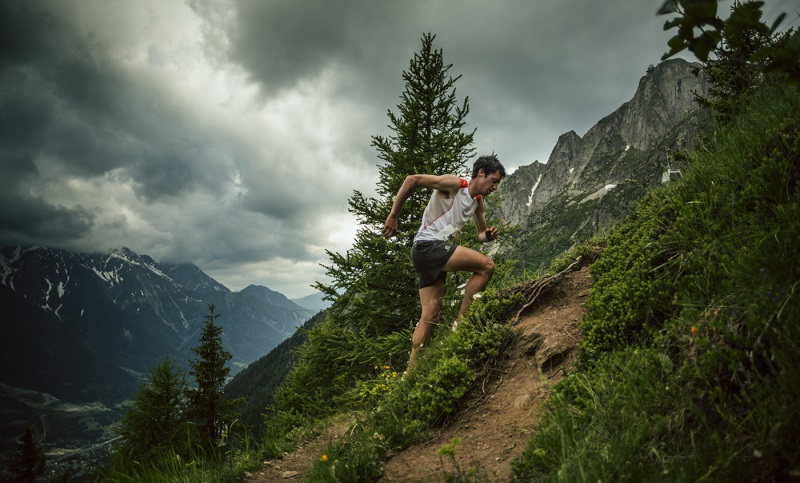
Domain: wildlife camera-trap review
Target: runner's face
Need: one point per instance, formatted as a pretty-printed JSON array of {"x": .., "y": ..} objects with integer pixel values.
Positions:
[{"x": 490, "y": 182}]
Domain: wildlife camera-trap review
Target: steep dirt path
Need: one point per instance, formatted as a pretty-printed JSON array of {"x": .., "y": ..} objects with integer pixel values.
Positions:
[
  {"x": 496, "y": 430},
  {"x": 501, "y": 417}
]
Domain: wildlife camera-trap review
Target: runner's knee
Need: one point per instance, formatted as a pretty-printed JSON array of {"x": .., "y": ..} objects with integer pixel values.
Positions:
[
  {"x": 488, "y": 267},
  {"x": 430, "y": 314}
]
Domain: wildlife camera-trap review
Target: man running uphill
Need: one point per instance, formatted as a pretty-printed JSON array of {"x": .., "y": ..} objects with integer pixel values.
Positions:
[{"x": 452, "y": 203}]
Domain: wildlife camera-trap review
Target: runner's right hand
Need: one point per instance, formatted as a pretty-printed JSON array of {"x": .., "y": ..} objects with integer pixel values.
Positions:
[{"x": 390, "y": 227}]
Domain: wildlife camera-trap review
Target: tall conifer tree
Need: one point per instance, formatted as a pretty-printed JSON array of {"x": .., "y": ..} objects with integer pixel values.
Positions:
[
  {"x": 376, "y": 300},
  {"x": 207, "y": 406},
  {"x": 157, "y": 418},
  {"x": 27, "y": 462},
  {"x": 376, "y": 278}
]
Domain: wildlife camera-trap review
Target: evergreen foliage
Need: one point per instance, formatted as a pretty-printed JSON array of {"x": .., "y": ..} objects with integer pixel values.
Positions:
[
  {"x": 376, "y": 275},
  {"x": 207, "y": 406},
  {"x": 258, "y": 382},
  {"x": 157, "y": 419},
  {"x": 27, "y": 462},
  {"x": 176, "y": 433},
  {"x": 742, "y": 41}
]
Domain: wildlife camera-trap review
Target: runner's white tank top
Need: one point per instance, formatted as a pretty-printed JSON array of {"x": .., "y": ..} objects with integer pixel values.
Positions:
[{"x": 445, "y": 217}]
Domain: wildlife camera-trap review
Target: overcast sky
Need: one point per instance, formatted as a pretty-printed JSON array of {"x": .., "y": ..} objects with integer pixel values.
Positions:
[{"x": 231, "y": 134}]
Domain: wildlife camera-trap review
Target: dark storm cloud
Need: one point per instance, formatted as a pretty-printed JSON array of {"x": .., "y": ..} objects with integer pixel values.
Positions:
[
  {"x": 26, "y": 33},
  {"x": 114, "y": 122},
  {"x": 64, "y": 96},
  {"x": 26, "y": 220},
  {"x": 231, "y": 133},
  {"x": 282, "y": 42},
  {"x": 530, "y": 64},
  {"x": 80, "y": 121}
]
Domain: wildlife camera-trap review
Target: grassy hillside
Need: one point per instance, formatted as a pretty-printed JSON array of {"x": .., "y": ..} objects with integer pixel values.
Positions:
[
  {"x": 689, "y": 363},
  {"x": 690, "y": 357}
]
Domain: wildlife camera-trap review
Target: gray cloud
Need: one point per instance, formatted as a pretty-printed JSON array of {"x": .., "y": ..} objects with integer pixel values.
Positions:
[
  {"x": 27, "y": 220},
  {"x": 230, "y": 133},
  {"x": 283, "y": 42},
  {"x": 511, "y": 53}
]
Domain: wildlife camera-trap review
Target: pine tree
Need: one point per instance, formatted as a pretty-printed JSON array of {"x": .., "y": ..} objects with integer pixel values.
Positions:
[
  {"x": 376, "y": 276},
  {"x": 157, "y": 419},
  {"x": 207, "y": 406},
  {"x": 27, "y": 462},
  {"x": 733, "y": 75},
  {"x": 376, "y": 300}
]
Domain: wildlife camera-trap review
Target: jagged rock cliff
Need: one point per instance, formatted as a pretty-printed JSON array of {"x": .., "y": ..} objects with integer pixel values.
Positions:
[
  {"x": 592, "y": 180},
  {"x": 628, "y": 146}
]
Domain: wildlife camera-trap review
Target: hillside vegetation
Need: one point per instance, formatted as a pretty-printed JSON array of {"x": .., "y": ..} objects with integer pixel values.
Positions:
[
  {"x": 688, "y": 363},
  {"x": 689, "y": 359}
]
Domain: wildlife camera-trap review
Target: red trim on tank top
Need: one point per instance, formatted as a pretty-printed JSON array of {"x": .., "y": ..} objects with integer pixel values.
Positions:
[{"x": 464, "y": 184}]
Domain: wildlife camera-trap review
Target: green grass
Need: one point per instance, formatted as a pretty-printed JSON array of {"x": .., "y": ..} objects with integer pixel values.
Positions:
[
  {"x": 688, "y": 366},
  {"x": 173, "y": 467},
  {"x": 190, "y": 463}
]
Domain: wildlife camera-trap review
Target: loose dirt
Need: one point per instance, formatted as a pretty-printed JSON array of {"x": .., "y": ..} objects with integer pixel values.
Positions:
[{"x": 500, "y": 417}]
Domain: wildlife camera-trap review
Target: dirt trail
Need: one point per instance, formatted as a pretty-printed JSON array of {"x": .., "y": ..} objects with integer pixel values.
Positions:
[
  {"x": 501, "y": 416},
  {"x": 293, "y": 466}
]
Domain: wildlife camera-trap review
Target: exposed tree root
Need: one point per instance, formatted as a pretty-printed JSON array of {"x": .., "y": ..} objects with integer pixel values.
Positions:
[{"x": 533, "y": 288}]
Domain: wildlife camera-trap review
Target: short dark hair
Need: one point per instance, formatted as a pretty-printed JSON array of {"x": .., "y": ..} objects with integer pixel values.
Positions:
[{"x": 490, "y": 164}]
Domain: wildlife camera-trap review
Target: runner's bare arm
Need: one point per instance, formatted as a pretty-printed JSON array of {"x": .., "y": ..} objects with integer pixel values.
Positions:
[
  {"x": 446, "y": 183},
  {"x": 485, "y": 233}
]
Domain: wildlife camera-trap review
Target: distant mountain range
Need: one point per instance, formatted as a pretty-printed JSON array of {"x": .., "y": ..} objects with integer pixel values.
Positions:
[
  {"x": 88, "y": 327},
  {"x": 81, "y": 331},
  {"x": 314, "y": 301}
]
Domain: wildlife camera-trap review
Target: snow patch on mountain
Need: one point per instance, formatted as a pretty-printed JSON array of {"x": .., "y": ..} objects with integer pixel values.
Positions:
[{"x": 533, "y": 190}]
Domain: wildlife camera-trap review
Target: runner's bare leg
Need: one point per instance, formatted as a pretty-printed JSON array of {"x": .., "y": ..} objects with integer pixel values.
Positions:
[
  {"x": 430, "y": 299},
  {"x": 482, "y": 268}
]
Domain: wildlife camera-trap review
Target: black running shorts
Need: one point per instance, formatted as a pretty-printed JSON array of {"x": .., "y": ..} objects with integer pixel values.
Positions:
[{"x": 429, "y": 258}]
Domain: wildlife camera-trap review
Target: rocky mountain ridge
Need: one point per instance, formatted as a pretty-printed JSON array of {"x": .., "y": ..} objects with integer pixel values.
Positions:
[
  {"x": 590, "y": 181},
  {"x": 628, "y": 146}
]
